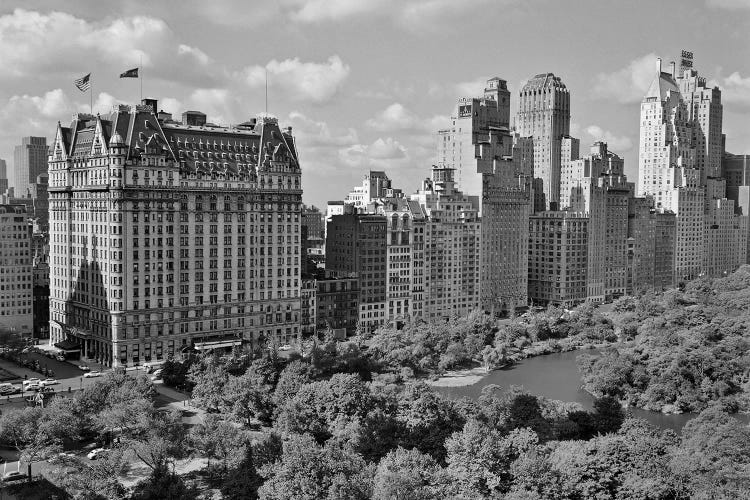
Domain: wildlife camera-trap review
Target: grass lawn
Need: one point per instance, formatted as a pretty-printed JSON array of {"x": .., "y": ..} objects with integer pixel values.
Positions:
[{"x": 6, "y": 375}]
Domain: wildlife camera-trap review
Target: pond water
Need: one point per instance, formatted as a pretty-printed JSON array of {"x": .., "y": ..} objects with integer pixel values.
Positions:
[{"x": 556, "y": 376}]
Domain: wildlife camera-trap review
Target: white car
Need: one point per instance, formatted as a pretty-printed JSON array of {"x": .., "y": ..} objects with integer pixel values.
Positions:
[
  {"x": 94, "y": 454},
  {"x": 84, "y": 368},
  {"x": 31, "y": 381},
  {"x": 285, "y": 347},
  {"x": 92, "y": 374},
  {"x": 48, "y": 381}
]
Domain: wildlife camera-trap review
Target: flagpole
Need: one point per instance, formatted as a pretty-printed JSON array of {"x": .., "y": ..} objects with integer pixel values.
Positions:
[
  {"x": 140, "y": 77},
  {"x": 91, "y": 97}
]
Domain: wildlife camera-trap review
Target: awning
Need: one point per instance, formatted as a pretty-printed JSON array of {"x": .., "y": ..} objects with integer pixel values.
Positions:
[
  {"x": 68, "y": 345},
  {"x": 217, "y": 344}
]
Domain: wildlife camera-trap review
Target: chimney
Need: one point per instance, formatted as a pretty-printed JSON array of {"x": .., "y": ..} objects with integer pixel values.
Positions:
[
  {"x": 150, "y": 102},
  {"x": 658, "y": 65},
  {"x": 672, "y": 69}
]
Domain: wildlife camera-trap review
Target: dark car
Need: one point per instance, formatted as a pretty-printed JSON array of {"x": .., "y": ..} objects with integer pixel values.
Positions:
[{"x": 13, "y": 476}]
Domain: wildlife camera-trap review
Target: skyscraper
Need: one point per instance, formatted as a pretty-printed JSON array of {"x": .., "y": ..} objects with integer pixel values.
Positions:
[
  {"x": 29, "y": 161},
  {"x": 16, "y": 273},
  {"x": 680, "y": 157},
  {"x": 452, "y": 245},
  {"x": 471, "y": 123},
  {"x": 544, "y": 115},
  {"x": 3, "y": 176},
  {"x": 167, "y": 235}
]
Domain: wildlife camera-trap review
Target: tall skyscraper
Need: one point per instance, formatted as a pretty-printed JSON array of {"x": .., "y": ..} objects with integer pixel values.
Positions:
[
  {"x": 471, "y": 123},
  {"x": 680, "y": 157},
  {"x": 29, "y": 161},
  {"x": 3, "y": 176},
  {"x": 166, "y": 235},
  {"x": 507, "y": 195},
  {"x": 16, "y": 273},
  {"x": 544, "y": 115}
]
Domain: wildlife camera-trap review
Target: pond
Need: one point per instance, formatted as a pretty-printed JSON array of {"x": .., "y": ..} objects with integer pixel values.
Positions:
[{"x": 556, "y": 376}]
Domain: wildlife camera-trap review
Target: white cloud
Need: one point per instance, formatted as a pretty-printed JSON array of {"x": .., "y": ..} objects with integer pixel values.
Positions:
[
  {"x": 394, "y": 117},
  {"x": 397, "y": 118},
  {"x": 301, "y": 81},
  {"x": 50, "y": 105},
  {"x": 60, "y": 46},
  {"x": 617, "y": 144},
  {"x": 735, "y": 89},
  {"x": 217, "y": 103},
  {"x": 380, "y": 153},
  {"x": 313, "y": 133},
  {"x": 34, "y": 43},
  {"x": 429, "y": 15},
  {"x": 314, "y": 11},
  {"x": 729, "y": 4},
  {"x": 629, "y": 84},
  {"x": 414, "y": 15},
  {"x": 194, "y": 52}
]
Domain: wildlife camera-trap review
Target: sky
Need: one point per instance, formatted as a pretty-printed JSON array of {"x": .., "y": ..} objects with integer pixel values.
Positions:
[{"x": 365, "y": 84}]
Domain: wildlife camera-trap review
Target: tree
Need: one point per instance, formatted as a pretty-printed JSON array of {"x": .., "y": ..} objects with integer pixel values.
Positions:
[
  {"x": 248, "y": 397},
  {"x": 23, "y": 430},
  {"x": 317, "y": 406},
  {"x": 407, "y": 475},
  {"x": 427, "y": 420},
  {"x": 479, "y": 458},
  {"x": 243, "y": 481},
  {"x": 292, "y": 378},
  {"x": 93, "y": 480},
  {"x": 219, "y": 440},
  {"x": 159, "y": 440},
  {"x": 524, "y": 411},
  {"x": 208, "y": 390},
  {"x": 309, "y": 471},
  {"x": 163, "y": 484},
  {"x": 713, "y": 457},
  {"x": 608, "y": 415}
]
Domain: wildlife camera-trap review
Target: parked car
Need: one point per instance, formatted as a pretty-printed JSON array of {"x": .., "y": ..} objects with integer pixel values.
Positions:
[
  {"x": 32, "y": 387},
  {"x": 92, "y": 374},
  {"x": 84, "y": 368},
  {"x": 9, "y": 389},
  {"x": 31, "y": 381},
  {"x": 285, "y": 347},
  {"x": 13, "y": 476},
  {"x": 94, "y": 454},
  {"x": 49, "y": 381}
]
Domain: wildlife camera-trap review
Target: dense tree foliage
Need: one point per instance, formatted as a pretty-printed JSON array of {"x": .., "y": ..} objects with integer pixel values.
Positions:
[
  {"x": 433, "y": 348},
  {"x": 690, "y": 347}
]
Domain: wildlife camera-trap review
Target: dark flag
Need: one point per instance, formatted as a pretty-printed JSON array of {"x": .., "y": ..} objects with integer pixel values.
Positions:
[
  {"x": 131, "y": 73},
  {"x": 83, "y": 83}
]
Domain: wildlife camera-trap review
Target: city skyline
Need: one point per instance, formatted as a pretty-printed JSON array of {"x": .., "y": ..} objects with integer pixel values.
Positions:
[{"x": 352, "y": 109}]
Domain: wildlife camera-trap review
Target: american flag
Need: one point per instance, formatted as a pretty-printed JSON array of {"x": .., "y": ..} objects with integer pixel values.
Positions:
[{"x": 83, "y": 83}]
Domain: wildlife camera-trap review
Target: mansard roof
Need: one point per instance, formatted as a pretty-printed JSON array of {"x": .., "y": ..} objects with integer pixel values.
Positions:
[
  {"x": 137, "y": 126},
  {"x": 544, "y": 80},
  {"x": 248, "y": 147}
]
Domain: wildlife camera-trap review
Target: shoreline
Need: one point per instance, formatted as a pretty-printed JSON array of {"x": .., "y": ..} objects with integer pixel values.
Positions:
[{"x": 470, "y": 376}]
